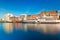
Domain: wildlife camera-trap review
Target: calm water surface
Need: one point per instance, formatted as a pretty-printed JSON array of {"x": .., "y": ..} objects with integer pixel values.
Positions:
[{"x": 20, "y": 31}]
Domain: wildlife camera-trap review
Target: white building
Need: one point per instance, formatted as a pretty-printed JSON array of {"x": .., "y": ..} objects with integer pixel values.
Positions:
[
  {"x": 23, "y": 16},
  {"x": 7, "y": 16}
]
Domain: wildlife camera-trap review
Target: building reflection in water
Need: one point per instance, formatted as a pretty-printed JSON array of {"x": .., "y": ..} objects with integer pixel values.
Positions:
[
  {"x": 8, "y": 27},
  {"x": 17, "y": 25},
  {"x": 44, "y": 28}
]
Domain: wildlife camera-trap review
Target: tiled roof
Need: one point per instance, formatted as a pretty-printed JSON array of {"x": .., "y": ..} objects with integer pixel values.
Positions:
[{"x": 47, "y": 13}]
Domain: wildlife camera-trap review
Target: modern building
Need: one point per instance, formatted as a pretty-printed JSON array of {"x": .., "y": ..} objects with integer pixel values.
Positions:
[
  {"x": 7, "y": 16},
  {"x": 23, "y": 16}
]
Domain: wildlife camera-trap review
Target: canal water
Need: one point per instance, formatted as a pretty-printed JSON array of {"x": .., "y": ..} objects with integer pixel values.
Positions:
[{"x": 21, "y": 31}]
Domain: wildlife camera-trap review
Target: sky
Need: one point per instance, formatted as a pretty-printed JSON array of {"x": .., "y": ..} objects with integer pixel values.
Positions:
[{"x": 17, "y": 7}]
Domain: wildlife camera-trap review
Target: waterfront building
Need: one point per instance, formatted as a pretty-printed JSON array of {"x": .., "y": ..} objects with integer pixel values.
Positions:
[
  {"x": 51, "y": 14},
  {"x": 58, "y": 14},
  {"x": 48, "y": 15},
  {"x": 15, "y": 19},
  {"x": 33, "y": 16},
  {"x": 7, "y": 16},
  {"x": 23, "y": 16}
]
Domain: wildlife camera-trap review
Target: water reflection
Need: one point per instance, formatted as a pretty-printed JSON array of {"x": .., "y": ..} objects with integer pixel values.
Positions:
[
  {"x": 44, "y": 28},
  {"x": 17, "y": 25},
  {"x": 8, "y": 27}
]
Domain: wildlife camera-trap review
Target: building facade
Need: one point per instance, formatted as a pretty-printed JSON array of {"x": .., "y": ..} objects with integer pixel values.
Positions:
[
  {"x": 51, "y": 14},
  {"x": 7, "y": 16},
  {"x": 33, "y": 16},
  {"x": 16, "y": 19},
  {"x": 23, "y": 16}
]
